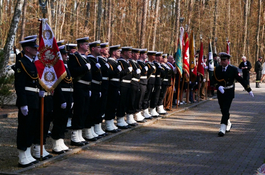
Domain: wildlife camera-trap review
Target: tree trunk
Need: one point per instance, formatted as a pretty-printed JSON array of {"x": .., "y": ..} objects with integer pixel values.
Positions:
[
  {"x": 12, "y": 33},
  {"x": 95, "y": 19},
  {"x": 245, "y": 27},
  {"x": 109, "y": 20},
  {"x": 99, "y": 19},
  {"x": 87, "y": 13},
  {"x": 215, "y": 24},
  {"x": 155, "y": 24},
  {"x": 258, "y": 30},
  {"x": 143, "y": 28},
  {"x": 177, "y": 25},
  {"x": 23, "y": 21},
  {"x": 63, "y": 19}
]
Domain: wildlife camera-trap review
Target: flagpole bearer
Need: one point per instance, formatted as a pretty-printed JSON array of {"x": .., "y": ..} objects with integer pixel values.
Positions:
[
  {"x": 43, "y": 8},
  {"x": 199, "y": 64}
]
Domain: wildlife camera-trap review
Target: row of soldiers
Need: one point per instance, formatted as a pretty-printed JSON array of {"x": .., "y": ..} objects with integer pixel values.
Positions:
[{"x": 109, "y": 82}]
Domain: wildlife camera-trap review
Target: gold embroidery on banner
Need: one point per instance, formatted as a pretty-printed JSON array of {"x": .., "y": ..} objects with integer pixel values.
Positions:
[
  {"x": 47, "y": 34},
  {"x": 49, "y": 76},
  {"x": 47, "y": 57}
]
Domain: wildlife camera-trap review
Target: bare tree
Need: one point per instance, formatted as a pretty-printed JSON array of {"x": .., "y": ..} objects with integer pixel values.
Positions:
[
  {"x": 143, "y": 27},
  {"x": 245, "y": 27},
  {"x": 258, "y": 30},
  {"x": 99, "y": 19},
  {"x": 155, "y": 24},
  {"x": 109, "y": 20}
]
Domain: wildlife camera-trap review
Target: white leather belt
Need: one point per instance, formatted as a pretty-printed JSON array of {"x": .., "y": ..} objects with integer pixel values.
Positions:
[
  {"x": 126, "y": 81},
  {"x": 165, "y": 80},
  {"x": 158, "y": 76},
  {"x": 143, "y": 77},
  {"x": 229, "y": 87},
  {"x": 47, "y": 93},
  {"x": 115, "y": 79},
  {"x": 32, "y": 89},
  {"x": 153, "y": 76},
  {"x": 67, "y": 89},
  {"x": 96, "y": 82},
  {"x": 84, "y": 82},
  {"x": 105, "y": 78},
  {"x": 135, "y": 79}
]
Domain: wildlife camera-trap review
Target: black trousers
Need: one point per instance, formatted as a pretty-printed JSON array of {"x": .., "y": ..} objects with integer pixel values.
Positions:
[
  {"x": 162, "y": 95},
  {"x": 140, "y": 97},
  {"x": 94, "y": 116},
  {"x": 155, "y": 96},
  {"x": 104, "y": 96},
  {"x": 147, "y": 96},
  {"x": 258, "y": 76},
  {"x": 224, "y": 103},
  {"x": 81, "y": 100},
  {"x": 112, "y": 102},
  {"x": 132, "y": 102},
  {"x": 123, "y": 101},
  {"x": 27, "y": 125}
]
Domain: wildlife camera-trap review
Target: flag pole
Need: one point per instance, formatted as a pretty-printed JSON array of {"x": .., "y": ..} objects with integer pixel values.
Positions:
[{"x": 43, "y": 7}]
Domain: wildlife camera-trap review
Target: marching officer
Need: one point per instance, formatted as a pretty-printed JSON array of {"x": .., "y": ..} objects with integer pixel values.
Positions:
[
  {"x": 27, "y": 90},
  {"x": 62, "y": 101},
  {"x": 114, "y": 89},
  {"x": 224, "y": 77},
  {"x": 125, "y": 78},
  {"x": 79, "y": 68},
  {"x": 258, "y": 70}
]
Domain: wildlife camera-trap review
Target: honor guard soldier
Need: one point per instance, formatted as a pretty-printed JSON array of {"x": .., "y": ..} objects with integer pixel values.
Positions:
[
  {"x": 62, "y": 101},
  {"x": 157, "y": 87},
  {"x": 151, "y": 83},
  {"x": 71, "y": 48},
  {"x": 166, "y": 82},
  {"x": 114, "y": 89},
  {"x": 142, "y": 84},
  {"x": 125, "y": 78},
  {"x": 135, "y": 87},
  {"x": 224, "y": 77},
  {"x": 79, "y": 68},
  {"x": 104, "y": 52},
  {"x": 258, "y": 70},
  {"x": 61, "y": 43},
  {"x": 27, "y": 90},
  {"x": 94, "y": 116}
]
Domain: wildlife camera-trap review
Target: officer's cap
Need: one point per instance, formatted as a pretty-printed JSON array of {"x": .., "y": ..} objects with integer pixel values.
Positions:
[
  {"x": 103, "y": 45},
  {"x": 143, "y": 50},
  {"x": 135, "y": 50},
  {"x": 164, "y": 55},
  {"x": 82, "y": 40},
  {"x": 159, "y": 53},
  {"x": 62, "y": 49},
  {"x": 224, "y": 55},
  {"x": 30, "y": 37},
  {"x": 260, "y": 57},
  {"x": 151, "y": 53},
  {"x": 60, "y": 43},
  {"x": 127, "y": 48},
  {"x": 71, "y": 46},
  {"x": 115, "y": 47},
  {"x": 29, "y": 42},
  {"x": 94, "y": 44}
]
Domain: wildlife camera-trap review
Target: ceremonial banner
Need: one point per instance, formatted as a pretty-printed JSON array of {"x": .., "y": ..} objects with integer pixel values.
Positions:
[
  {"x": 193, "y": 70},
  {"x": 49, "y": 60},
  {"x": 211, "y": 64},
  {"x": 201, "y": 63},
  {"x": 186, "y": 55},
  {"x": 228, "y": 47},
  {"x": 178, "y": 58}
]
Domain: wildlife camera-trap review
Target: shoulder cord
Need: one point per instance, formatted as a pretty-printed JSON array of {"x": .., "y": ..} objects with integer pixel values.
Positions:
[
  {"x": 219, "y": 80},
  {"x": 34, "y": 78}
]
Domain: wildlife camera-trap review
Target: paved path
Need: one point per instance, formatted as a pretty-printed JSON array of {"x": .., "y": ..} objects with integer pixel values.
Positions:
[{"x": 183, "y": 143}]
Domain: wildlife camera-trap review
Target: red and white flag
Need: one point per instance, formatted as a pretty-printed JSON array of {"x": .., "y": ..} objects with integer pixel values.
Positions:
[
  {"x": 186, "y": 55},
  {"x": 201, "y": 64},
  {"x": 228, "y": 47},
  {"x": 49, "y": 61}
]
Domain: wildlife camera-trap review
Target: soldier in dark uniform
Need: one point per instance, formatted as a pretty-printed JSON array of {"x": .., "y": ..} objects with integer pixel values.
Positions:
[
  {"x": 151, "y": 83},
  {"x": 157, "y": 88},
  {"x": 27, "y": 90},
  {"x": 258, "y": 70},
  {"x": 224, "y": 79},
  {"x": 142, "y": 84},
  {"x": 135, "y": 88},
  {"x": 245, "y": 66},
  {"x": 166, "y": 82},
  {"x": 125, "y": 78},
  {"x": 62, "y": 101},
  {"x": 94, "y": 116},
  {"x": 114, "y": 89},
  {"x": 79, "y": 68}
]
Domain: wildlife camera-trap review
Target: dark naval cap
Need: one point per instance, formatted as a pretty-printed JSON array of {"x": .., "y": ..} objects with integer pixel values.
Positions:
[
  {"x": 224, "y": 55},
  {"x": 151, "y": 53},
  {"x": 29, "y": 42},
  {"x": 135, "y": 50},
  {"x": 126, "y": 48},
  {"x": 30, "y": 37},
  {"x": 62, "y": 49},
  {"x": 103, "y": 45},
  {"x": 143, "y": 50},
  {"x": 60, "y": 43},
  {"x": 94, "y": 44},
  {"x": 115, "y": 47},
  {"x": 82, "y": 40},
  {"x": 71, "y": 46}
]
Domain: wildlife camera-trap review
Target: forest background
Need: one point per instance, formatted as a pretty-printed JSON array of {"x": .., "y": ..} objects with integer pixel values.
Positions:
[{"x": 151, "y": 24}]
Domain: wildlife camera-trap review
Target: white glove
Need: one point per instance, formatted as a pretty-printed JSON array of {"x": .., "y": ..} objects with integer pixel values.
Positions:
[
  {"x": 204, "y": 80},
  {"x": 119, "y": 67},
  {"x": 72, "y": 105},
  {"x": 251, "y": 94},
  {"x": 221, "y": 89},
  {"x": 119, "y": 92},
  {"x": 88, "y": 66},
  {"x": 98, "y": 65},
  {"x": 154, "y": 67},
  {"x": 24, "y": 110},
  {"x": 42, "y": 94},
  {"x": 63, "y": 105},
  {"x": 146, "y": 68},
  {"x": 107, "y": 65},
  {"x": 190, "y": 82},
  {"x": 99, "y": 94},
  {"x": 138, "y": 71},
  {"x": 206, "y": 67},
  {"x": 160, "y": 67},
  {"x": 130, "y": 68},
  {"x": 90, "y": 93}
]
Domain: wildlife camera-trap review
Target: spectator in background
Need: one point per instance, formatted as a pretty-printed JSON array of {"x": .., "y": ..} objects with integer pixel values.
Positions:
[
  {"x": 245, "y": 66},
  {"x": 258, "y": 70}
]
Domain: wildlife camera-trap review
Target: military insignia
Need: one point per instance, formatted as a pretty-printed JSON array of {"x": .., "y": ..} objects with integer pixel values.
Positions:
[
  {"x": 18, "y": 70},
  {"x": 47, "y": 34},
  {"x": 49, "y": 76}
]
